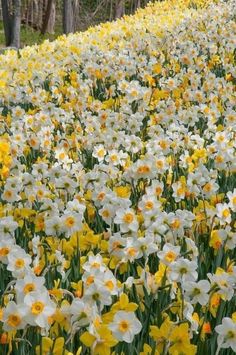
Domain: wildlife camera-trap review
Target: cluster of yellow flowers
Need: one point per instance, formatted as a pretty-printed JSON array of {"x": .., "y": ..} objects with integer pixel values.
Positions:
[
  {"x": 5, "y": 156},
  {"x": 118, "y": 187}
]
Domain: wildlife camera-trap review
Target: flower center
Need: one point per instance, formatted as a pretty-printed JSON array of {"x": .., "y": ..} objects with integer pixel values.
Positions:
[
  {"x": 13, "y": 320},
  {"x": 96, "y": 296},
  {"x": 62, "y": 156},
  {"x": 109, "y": 284},
  {"x": 106, "y": 213},
  {"x": 29, "y": 288},
  {"x": 196, "y": 291},
  {"x": 90, "y": 280},
  {"x": 124, "y": 326},
  {"x": 225, "y": 213},
  {"x": 180, "y": 191},
  {"x": 96, "y": 265},
  {"x": 69, "y": 222},
  {"x": 8, "y": 194},
  {"x": 175, "y": 224},
  {"x": 158, "y": 191},
  {"x": 19, "y": 263},
  {"x": 132, "y": 251},
  {"x": 37, "y": 307},
  {"x": 219, "y": 159},
  {"x": 231, "y": 335},
  {"x": 4, "y": 251},
  {"x": 114, "y": 158},
  {"x": 101, "y": 196},
  {"x": 207, "y": 187},
  {"x": 170, "y": 256},
  {"x": 149, "y": 205},
  {"x": 101, "y": 153},
  {"x": 183, "y": 270},
  {"x": 116, "y": 246},
  {"x": 144, "y": 169},
  {"x": 159, "y": 164},
  {"x": 163, "y": 144},
  {"x": 128, "y": 218}
]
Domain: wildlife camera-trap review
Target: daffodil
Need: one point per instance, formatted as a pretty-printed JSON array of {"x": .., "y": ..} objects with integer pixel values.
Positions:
[
  {"x": 101, "y": 343},
  {"x": 180, "y": 341},
  {"x": 226, "y": 334}
]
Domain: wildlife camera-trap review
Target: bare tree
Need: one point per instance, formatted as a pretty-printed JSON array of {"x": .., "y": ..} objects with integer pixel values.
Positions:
[
  {"x": 39, "y": 14},
  {"x": 16, "y": 23},
  {"x": 138, "y": 4},
  {"x": 12, "y": 22},
  {"x": 49, "y": 17},
  {"x": 120, "y": 8},
  {"x": 70, "y": 11},
  {"x": 52, "y": 18},
  {"x": 6, "y": 22}
]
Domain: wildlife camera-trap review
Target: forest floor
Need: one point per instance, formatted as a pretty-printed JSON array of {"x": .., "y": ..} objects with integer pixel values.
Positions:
[{"x": 29, "y": 36}]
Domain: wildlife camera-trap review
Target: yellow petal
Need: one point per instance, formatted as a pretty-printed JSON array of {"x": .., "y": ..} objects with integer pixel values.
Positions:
[
  {"x": 78, "y": 352},
  {"x": 58, "y": 346},
  {"x": 124, "y": 300},
  {"x": 87, "y": 339},
  {"x": 46, "y": 344}
]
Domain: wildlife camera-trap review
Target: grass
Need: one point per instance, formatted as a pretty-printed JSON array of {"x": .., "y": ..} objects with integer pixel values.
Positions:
[{"x": 29, "y": 36}]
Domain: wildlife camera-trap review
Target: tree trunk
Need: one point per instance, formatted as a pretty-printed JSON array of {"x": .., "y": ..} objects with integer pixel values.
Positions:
[
  {"x": 52, "y": 19},
  {"x": 138, "y": 4},
  {"x": 40, "y": 13},
  {"x": 47, "y": 16},
  {"x": 12, "y": 22},
  {"x": 16, "y": 22},
  {"x": 6, "y": 22},
  {"x": 68, "y": 16},
  {"x": 70, "y": 9},
  {"x": 119, "y": 9}
]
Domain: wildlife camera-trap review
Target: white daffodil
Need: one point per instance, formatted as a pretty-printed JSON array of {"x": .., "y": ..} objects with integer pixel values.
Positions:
[
  {"x": 81, "y": 312},
  {"x": 99, "y": 152},
  {"x": 232, "y": 200},
  {"x": 223, "y": 213},
  {"x": 94, "y": 264},
  {"x": 197, "y": 291},
  {"x": 18, "y": 262},
  {"x": 53, "y": 225},
  {"x": 29, "y": 284},
  {"x": 127, "y": 220},
  {"x": 227, "y": 334},
  {"x": 14, "y": 316},
  {"x": 40, "y": 308},
  {"x": 7, "y": 225},
  {"x": 97, "y": 294},
  {"x": 169, "y": 253},
  {"x": 183, "y": 270},
  {"x": 125, "y": 326},
  {"x": 71, "y": 222}
]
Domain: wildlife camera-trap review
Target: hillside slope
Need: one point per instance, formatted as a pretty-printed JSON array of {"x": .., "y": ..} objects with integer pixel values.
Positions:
[{"x": 118, "y": 187}]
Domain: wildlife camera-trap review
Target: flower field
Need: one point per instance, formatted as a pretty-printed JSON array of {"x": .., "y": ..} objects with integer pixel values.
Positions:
[{"x": 118, "y": 187}]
